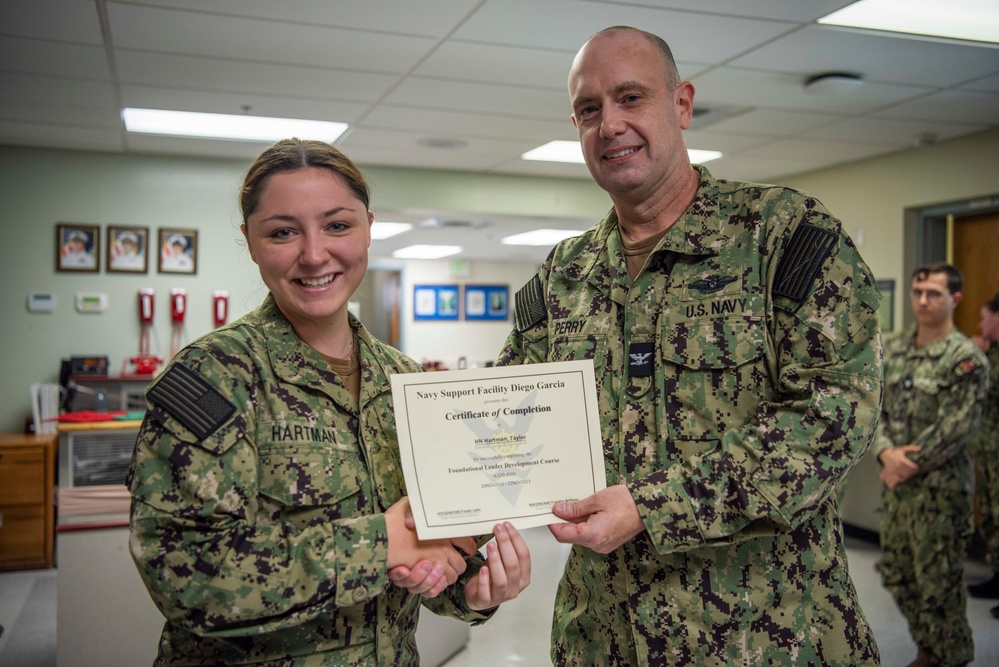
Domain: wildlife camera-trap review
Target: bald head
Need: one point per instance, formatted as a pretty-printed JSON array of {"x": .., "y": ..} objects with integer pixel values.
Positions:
[{"x": 670, "y": 72}]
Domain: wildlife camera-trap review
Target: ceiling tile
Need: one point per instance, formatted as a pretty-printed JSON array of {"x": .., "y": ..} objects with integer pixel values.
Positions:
[
  {"x": 900, "y": 133},
  {"x": 503, "y": 22},
  {"x": 463, "y": 96},
  {"x": 430, "y": 18},
  {"x": 487, "y": 63},
  {"x": 65, "y": 20},
  {"x": 774, "y": 122},
  {"x": 195, "y": 73},
  {"x": 196, "y": 33},
  {"x": 952, "y": 106},
  {"x": 35, "y": 56},
  {"x": 780, "y": 10},
  {"x": 55, "y": 90},
  {"x": 59, "y": 136},
  {"x": 875, "y": 56},
  {"x": 443, "y": 123},
  {"x": 774, "y": 90}
]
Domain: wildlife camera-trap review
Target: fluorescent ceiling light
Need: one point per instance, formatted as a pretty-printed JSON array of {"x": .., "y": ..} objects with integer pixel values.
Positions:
[
  {"x": 427, "y": 251},
  {"x": 976, "y": 20},
  {"x": 381, "y": 230},
  {"x": 570, "y": 151},
  {"x": 226, "y": 126},
  {"x": 545, "y": 237},
  {"x": 556, "y": 151}
]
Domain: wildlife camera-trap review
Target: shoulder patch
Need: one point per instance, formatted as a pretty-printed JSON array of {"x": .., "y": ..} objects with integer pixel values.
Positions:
[
  {"x": 191, "y": 401},
  {"x": 530, "y": 305},
  {"x": 802, "y": 260},
  {"x": 966, "y": 366}
]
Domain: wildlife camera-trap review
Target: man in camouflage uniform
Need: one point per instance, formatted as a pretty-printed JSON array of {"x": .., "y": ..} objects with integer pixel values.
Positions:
[
  {"x": 935, "y": 382},
  {"x": 733, "y": 329},
  {"x": 985, "y": 451},
  {"x": 259, "y": 488}
]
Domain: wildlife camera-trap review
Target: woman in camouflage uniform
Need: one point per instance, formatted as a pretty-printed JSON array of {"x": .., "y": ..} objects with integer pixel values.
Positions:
[{"x": 268, "y": 505}]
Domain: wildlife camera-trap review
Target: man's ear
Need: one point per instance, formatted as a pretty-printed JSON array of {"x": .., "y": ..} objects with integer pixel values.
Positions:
[
  {"x": 957, "y": 296},
  {"x": 683, "y": 97}
]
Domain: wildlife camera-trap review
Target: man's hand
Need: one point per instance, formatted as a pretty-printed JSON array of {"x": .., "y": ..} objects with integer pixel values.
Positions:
[
  {"x": 897, "y": 468},
  {"x": 602, "y": 522}
]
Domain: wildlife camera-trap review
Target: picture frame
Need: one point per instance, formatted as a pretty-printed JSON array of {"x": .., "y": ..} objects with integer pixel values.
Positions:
[
  {"x": 435, "y": 302},
  {"x": 177, "y": 251},
  {"x": 487, "y": 302},
  {"x": 127, "y": 249},
  {"x": 78, "y": 247}
]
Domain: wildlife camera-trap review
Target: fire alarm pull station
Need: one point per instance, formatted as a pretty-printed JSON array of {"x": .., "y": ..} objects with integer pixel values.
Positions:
[
  {"x": 178, "y": 311},
  {"x": 220, "y": 307},
  {"x": 144, "y": 362}
]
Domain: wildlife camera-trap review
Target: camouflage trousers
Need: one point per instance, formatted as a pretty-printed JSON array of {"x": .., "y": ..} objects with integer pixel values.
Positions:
[
  {"x": 987, "y": 497},
  {"x": 925, "y": 535}
]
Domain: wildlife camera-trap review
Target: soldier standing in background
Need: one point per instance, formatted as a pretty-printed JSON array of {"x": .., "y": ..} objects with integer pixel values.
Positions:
[
  {"x": 935, "y": 384},
  {"x": 734, "y": 333},
  {"x": 985, "y": 451}
]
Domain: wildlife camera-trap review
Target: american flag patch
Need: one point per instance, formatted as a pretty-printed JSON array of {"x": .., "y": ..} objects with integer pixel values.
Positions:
[{"x": 191, "y": 401}]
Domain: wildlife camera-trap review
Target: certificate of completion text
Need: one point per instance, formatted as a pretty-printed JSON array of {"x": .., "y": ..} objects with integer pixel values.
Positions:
[{"x": 486, "y": 445}]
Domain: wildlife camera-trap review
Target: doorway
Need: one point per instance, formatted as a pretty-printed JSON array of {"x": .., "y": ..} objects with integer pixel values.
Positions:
[{"x": 976, "y": 254}]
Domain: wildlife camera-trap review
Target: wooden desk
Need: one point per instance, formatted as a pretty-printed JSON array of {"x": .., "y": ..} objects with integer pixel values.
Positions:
[{"x": 27, "y": 482}]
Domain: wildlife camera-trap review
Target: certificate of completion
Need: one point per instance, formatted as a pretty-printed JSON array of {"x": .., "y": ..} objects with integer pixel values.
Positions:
[{"x": 486, "y": 445}]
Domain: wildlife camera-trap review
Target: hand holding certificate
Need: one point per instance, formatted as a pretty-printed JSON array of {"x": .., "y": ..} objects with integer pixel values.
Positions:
[{"x": 487, "y": 445}]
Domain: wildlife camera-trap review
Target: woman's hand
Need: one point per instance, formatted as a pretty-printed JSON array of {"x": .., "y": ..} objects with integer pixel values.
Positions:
[
  {"x": 422, "y": 567},
  {"x": 506, "y": 573}
]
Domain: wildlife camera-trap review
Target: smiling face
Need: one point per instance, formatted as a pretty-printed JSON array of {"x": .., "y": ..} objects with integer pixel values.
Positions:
[
  {"x": 309, "y": 235},
  {"x": 629, "y": 114}
]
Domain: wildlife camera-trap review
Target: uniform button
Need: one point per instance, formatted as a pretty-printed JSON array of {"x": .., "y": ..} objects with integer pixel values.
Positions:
[
  {"x": 907, "y": 383},
  {"x": 360, "y": 594}
]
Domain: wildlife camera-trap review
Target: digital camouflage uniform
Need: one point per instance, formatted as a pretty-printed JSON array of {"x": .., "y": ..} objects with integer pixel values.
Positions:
[
  {"x": 985, "y": 451},
  {"x": 753, "y": 387},
  {"x": 933, "y": 398},
  {"x": 258, "y": 492}
]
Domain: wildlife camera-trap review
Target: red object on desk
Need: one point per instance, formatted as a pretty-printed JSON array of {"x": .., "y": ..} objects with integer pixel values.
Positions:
[{"x": 90, "y": 416}]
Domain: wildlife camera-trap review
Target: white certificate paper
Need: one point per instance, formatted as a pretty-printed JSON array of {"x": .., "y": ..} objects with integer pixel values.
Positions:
[{"x": 486, "y": 445}]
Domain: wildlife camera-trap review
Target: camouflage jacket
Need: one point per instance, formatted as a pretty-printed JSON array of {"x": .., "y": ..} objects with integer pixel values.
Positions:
[
  {"x": 933, "y": 398},
  {"x": 985, "y": 444},
  {"x": 738, "y": 378},
  {"x": 258, "y": 491}
]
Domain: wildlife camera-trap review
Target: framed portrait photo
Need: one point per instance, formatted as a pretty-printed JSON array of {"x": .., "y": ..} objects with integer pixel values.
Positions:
[
  {"x": 78, "y": 247},
  {"x": 178, "y": 251},
  {"x": 127, "y": 249}
]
